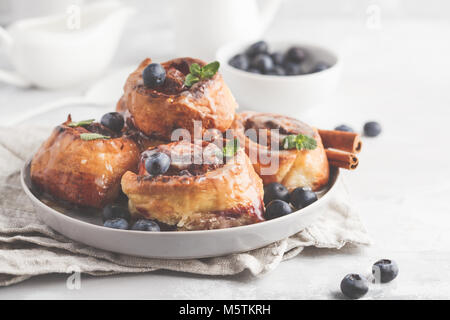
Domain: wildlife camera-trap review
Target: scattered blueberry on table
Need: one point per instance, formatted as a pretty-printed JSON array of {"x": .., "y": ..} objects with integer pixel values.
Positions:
[
  {"x": 276, "y": 209},
  {"x": 344, "y": 127},
  {"x": 117, "y": 223},
  {"x": 302, "y": 197},
  {"x": 257, "y": 58},
  {"x": 354, "y": 286},
  {"x": 154, "y": 75},
  {"x": 385, "y": 270},
  {"x": 113, "y": 212},
  {"x": 146, "y": 225},
  {"x": 157, "y": 163},
  {"x": 372, "y": 129},
  {"x": 113, "y": 121},
  {"x": 275, "y": 191}
]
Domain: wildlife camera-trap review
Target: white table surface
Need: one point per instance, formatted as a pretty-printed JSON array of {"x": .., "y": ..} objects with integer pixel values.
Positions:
[{"x": 398, "y": 75}]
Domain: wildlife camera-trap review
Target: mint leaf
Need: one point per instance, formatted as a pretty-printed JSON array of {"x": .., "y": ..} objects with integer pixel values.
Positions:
[
  {"x": 195, "y": 69},
  {"x": 81, "y": 123},
  {"x": 198, "y": 73},
  {"x": 231, "y": 148},
  {"x": 299, "y": 142},
  {"x": 190, "y": 80},
  {"x": 210, "y": 70},
  {"x": 92, "y": 136}
]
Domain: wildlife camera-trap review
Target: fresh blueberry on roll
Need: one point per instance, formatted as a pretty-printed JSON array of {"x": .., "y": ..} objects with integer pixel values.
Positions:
[
  {"x": 117, "y": 223},
  {"x": 354, "y": 286},
  {"x": 276, "y": 209},
  {"x": 157, "y": 163},
  {"x": 154, "y": 75},
  {"x": 146, "y": 225},
  {"x": 275, "y": 191},
  {"x": 113, "y": 121},
  {"x": 302, "y": 197}
]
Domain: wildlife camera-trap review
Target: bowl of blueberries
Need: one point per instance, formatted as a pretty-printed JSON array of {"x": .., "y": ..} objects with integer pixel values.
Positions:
[{"x": 282, "y": 77}]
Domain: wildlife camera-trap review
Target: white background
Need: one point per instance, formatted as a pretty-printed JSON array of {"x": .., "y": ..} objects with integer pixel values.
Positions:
[{"x": 399, "y": 75}]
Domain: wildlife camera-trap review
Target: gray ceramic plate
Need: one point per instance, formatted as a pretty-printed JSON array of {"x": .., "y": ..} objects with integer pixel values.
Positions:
[{"x": 88, "y": 229}]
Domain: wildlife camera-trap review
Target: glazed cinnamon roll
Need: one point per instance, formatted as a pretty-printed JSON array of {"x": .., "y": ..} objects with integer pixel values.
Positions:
[
  {"x": 198, "y": 191},
  {"x": 77, "y": 166},
  {"x": 293, "y": 168},
  {"x": 158, "y": 111}
]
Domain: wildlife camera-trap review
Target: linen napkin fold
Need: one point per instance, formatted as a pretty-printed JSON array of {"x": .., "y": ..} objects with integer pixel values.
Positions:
[{"x": 28, "y": 247}]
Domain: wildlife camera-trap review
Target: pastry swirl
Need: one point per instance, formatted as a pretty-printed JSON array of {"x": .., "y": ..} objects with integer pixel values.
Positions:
[
  {"x": 85, "y": 173},
  {"x": 157, "y": 112},
  {"x": 197, "y": 195},
  {"x": 295, "y": 168}
]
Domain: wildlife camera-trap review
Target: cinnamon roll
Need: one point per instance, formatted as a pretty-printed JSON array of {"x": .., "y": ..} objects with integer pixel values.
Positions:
[
  {"x": 293, "y": 168},
  {"x": 157, "y": 112},
  {"x": 198, "y": 191},
  {"x": 74, "y": 166}
]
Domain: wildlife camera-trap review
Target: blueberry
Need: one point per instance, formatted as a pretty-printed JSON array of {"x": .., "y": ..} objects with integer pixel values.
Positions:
[
  {"x": 256, "y": 48},
  {"x": 344, "y": 127},
  {"x": 154, "y": 75},
  {"x": 113, "y": 212},
  {"x": 113, "y": 121},
  {"x": 262, "y": 62},
  {"x": 293, "y": 69},
  {"x": 117, "y": 223},
  {"x": 157, "y": 163},
  {"x": 354, "y": 286},
  {"x": 302, "y": 197},
  {"x": 274, "y": 191},
  {"x": 276, "y": 209},
  {"x": 145, "y": 225},
  {"x": 239, "y": 61},
  {"x": 254, "y": 70},
  {"x": 296, "y": 54},
  {"x": 385, "y": 269},
  {"x": 320, "y": 66},
  {"x": 372, "y": 129},
  {"x": 277, "y": 71},
  {"x": 278, "y": 58}
]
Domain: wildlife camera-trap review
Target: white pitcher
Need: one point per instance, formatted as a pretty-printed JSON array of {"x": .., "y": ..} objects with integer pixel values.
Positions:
[
  {"x": 202, "y": 26},
  {"x": 63, "y": 50}
]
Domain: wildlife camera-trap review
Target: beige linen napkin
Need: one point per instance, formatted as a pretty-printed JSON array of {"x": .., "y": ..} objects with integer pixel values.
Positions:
[{"x": 28, "y": 247}]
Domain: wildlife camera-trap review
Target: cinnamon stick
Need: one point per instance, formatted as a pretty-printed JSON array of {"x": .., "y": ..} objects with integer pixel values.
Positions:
[
  {"x": 341, "y": 140},
  {"x": 341, "y": 159}
]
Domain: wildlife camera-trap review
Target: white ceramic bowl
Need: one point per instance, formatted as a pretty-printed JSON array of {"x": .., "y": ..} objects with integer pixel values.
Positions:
[
  {"x": 290, "y": 95},
  {"x": 88, "y": 229}
]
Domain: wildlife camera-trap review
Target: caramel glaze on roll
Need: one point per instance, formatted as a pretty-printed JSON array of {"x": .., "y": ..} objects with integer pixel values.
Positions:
[
  {"x": 208, "y": 195},
  {"x": 84, "y": 173},
  {"x": 157, "y": 112},
  {"x": 296, "y": 168}
]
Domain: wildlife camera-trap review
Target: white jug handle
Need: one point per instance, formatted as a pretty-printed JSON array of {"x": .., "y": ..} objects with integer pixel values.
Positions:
[
  {"x": 268, "y": 8},
  {"x": 10, "y": 77}
]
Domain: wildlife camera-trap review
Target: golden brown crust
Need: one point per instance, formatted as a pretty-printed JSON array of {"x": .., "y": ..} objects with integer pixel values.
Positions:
[
  {"x": 85, "y": 173},
  {"x": 230, "y": 194},
  {"x": 296, "y": 168},
  {"x": 159, "y": 112}
]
